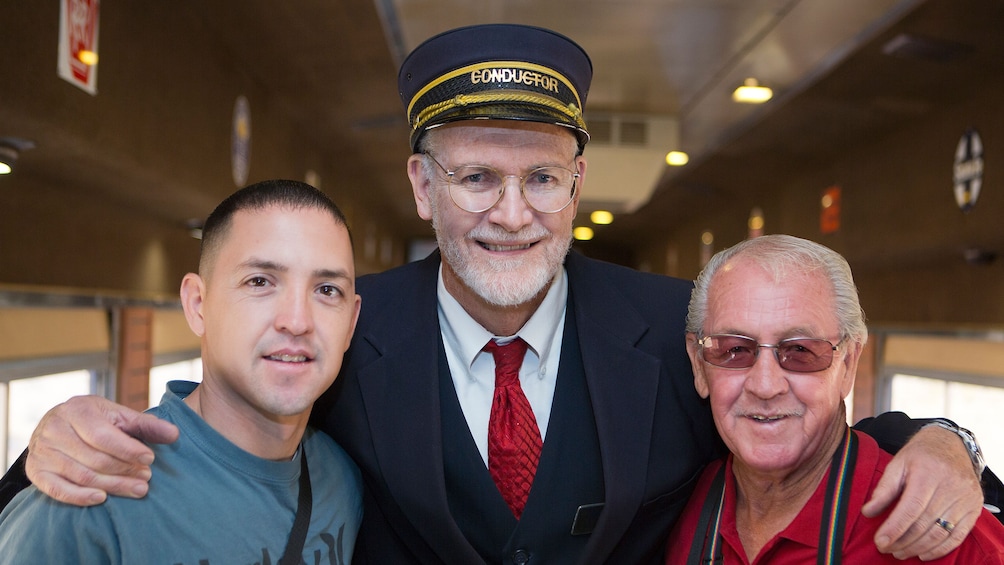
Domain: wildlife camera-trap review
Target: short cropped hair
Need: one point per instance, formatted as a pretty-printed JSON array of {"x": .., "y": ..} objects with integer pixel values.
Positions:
[
  {"x": 285, "y": 193},
  {"x": 780, "y": 255}
]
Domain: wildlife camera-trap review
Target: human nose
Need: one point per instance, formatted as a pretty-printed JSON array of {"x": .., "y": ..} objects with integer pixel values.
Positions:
[
  {"x": 511, "y": 211},
  {"x": 294, "y": 314},
  {"x": 766, "y": 378}
]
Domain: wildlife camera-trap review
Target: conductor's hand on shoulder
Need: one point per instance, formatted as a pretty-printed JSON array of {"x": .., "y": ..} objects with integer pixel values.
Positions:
[
  {"x": 89, "y": 447},
  {"x": 931, "y": 479}
]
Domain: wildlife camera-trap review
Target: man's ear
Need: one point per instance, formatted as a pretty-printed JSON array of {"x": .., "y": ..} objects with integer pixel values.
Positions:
[
  {"x": 193, "y": 291},
  {"x": 420, "y": 186},
  {"x": 580, "y": 167},
  {"x": 700, "y": 378},
  {"x": 352, "y": 327},
  {"x": 850, "y": 366}
]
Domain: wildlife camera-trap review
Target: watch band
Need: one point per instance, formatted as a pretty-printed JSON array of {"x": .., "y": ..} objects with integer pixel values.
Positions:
[{"x": 968, "y": 439}]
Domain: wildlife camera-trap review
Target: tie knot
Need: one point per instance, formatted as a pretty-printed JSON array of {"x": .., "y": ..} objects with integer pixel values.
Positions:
[{"x": 508, "y": 360}]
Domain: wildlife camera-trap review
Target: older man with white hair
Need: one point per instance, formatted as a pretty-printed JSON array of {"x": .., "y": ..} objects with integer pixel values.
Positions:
[{"x": 775, "y": 332}]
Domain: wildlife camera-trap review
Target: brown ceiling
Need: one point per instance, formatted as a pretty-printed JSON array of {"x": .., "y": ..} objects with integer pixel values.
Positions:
[
  {"x": 327, "y": 69},
  {"x": 934, "y": 56}
]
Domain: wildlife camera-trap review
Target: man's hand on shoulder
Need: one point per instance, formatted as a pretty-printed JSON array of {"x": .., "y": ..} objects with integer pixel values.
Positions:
[
  {"x": 89, "y": 447},
  {"x": 932, "y": 481}
]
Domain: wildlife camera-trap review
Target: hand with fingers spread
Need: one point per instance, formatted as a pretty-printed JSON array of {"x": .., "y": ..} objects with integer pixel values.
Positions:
[
  {"x": 934, "y": 494},
  {"x": 89, "y": 447}
]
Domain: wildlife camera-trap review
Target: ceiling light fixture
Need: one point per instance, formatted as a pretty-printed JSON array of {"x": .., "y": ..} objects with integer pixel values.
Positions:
[
  {"x": 10, "y": 150},
  {"x": 194, "y": 227},
  {"x": 677, "y": 158},
  {"x": 601, "y": 217},
  {"x": 8, "y": 156},
  {"x": 751, "y": 92},
  {"x": 583, "y": 233}
]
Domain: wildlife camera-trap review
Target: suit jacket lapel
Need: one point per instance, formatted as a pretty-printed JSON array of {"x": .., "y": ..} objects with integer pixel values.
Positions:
[
  {"x": 401, "y": 392},
  {"x": 623, "y": 381}
]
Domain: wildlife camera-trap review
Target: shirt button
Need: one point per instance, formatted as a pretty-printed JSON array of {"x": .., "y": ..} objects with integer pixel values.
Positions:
[{"x": 521, "y": 557}]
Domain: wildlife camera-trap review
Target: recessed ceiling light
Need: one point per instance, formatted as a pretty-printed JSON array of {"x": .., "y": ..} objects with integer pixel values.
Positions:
[
  {"x": 10, "y": 150},
  {"x": 601, "y": 217},
  {"x": 751, "y": 92},
  {"x": 677, "y": 158}
]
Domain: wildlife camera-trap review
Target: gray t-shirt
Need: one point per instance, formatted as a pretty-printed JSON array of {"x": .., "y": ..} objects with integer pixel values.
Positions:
[{"x": 210, "y": 502}]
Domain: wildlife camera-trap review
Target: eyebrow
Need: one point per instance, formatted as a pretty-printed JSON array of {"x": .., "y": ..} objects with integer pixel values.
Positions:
[
  {"x": 531, "y": 168},
  {"x": 789, "y": 333},
  {"x": 332, "y": 274},
  {"x": 265, "y": 265}
]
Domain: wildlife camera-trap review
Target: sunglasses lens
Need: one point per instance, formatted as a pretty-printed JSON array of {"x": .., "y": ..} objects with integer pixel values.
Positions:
[
  {"x": 730, "y": 351},
  {"x": 805, "y": 355}
]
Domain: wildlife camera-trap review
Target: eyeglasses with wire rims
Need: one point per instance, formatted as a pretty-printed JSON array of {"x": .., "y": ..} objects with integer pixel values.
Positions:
[
  {"x": 798, "y": 355},
  {"x": 478, "y": 188}
]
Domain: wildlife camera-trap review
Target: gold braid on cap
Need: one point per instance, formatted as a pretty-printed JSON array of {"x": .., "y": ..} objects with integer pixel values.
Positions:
[
  {"x": 570, "y": 110},
  {"x": 567, "y": 105}
]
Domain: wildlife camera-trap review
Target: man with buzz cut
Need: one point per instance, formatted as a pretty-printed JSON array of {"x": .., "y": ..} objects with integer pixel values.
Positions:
[{"x": 247, "y": 481}]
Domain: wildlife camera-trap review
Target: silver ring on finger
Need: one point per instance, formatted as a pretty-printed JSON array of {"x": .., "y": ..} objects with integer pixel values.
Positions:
[{"x": 944, "y": 525}]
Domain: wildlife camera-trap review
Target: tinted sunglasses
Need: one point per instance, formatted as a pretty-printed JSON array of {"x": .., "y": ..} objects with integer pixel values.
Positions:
[{"x": 799, "y": 355}]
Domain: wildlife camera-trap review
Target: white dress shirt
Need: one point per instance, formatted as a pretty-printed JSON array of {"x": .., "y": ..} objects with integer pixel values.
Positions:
[{"x": 473, "y": 370}]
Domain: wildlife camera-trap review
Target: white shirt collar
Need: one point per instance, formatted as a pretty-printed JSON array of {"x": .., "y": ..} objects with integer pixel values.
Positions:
[{"x": 538, "y": 332}]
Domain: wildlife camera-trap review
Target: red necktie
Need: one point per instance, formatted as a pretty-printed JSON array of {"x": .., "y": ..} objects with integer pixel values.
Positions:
[{"x": 513, "y": 437}]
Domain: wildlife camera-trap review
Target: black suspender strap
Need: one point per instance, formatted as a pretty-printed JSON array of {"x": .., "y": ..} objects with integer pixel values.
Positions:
[
  {"x": 706, "y": 546},
  {"x": 294, "y": 547}
]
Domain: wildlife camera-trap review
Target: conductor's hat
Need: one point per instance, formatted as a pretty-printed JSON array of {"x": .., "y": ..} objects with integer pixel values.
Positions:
[{"x": 499, "y": 72}]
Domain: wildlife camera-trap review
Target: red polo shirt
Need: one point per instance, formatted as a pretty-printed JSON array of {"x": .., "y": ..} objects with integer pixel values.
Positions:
[{"x": 797, "y": 543}]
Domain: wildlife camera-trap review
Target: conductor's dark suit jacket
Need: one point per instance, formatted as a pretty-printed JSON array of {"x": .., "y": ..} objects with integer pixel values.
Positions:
[{"x": 654, "y": 432}]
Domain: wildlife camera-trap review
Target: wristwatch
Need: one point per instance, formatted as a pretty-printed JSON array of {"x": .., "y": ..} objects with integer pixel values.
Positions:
[{"x": 968, "y": 439}]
